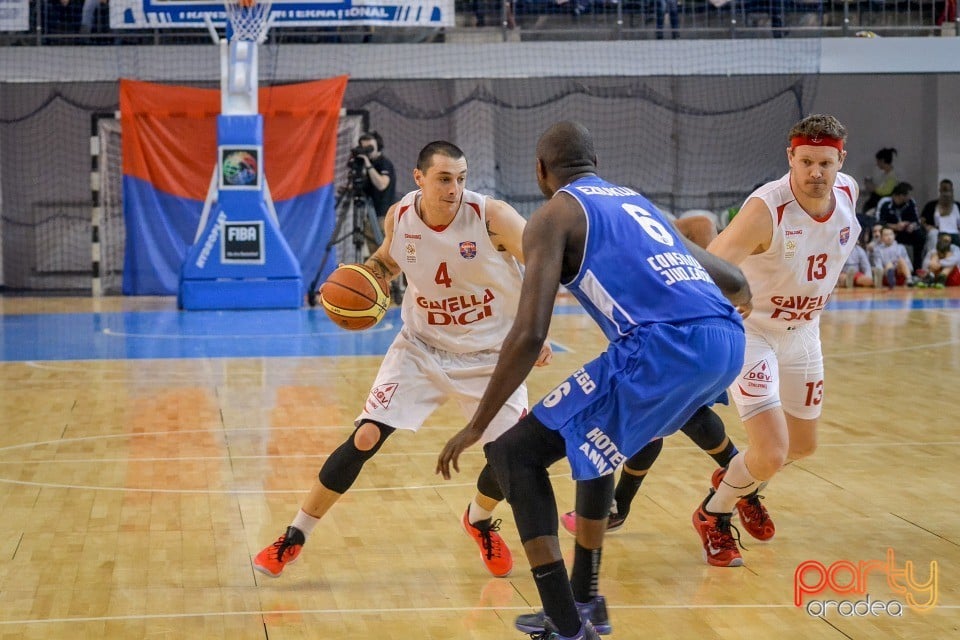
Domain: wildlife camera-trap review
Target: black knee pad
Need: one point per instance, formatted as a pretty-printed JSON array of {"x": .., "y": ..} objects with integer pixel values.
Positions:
[
  {"x": 705, "y": 428},
  {"x": 527, "y": 444},
  {"x": 594, "y": 497},
  {"x": 487, "y": 483},
  {"x": 343, "y": 466},
  {"x": 642, "y": 460},
  {"x": 520, "y": 458}
]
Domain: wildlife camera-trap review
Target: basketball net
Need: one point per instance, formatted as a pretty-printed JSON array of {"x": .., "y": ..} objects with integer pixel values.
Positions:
[{"x": 248, "y": 19}]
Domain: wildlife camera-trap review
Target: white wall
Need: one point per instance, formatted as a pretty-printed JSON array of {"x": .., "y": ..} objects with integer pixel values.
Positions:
[
  {"x": 948, "y": 132},
  {"x": 916, "y": 114}
]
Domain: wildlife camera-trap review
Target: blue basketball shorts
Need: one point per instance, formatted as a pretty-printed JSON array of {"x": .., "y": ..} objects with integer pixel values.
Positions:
[{"x": 644, "y": 386}]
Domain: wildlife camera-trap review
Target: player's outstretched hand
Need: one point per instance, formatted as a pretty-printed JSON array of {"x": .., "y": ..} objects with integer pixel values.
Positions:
[
  {"x": 546, "y": 355},
  {"x": 456, "y": 445}
]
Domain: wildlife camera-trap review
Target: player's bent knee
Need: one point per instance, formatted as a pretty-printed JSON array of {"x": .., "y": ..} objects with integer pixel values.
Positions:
[
  {"x": 367, "y": 436},
  {"x": 802, "y": 451},
  {"x": 343, "y": 466},
  {"x": 767, "y": 463},
  {"x": 522, "y": 454}
]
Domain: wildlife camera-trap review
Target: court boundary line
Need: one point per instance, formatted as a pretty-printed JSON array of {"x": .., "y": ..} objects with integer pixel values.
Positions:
[{"x": 383, "y": 610}]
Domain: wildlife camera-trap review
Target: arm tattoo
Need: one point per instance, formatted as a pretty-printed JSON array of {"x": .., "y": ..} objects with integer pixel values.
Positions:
[
  {"x": 379, "y": 268},
  {"x": 499, "y": 247}
]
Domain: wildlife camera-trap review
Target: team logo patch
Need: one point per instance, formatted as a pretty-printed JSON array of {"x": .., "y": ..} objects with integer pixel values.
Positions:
[
  {"x": 380, "y": 396},
  {"x": 410, "y": 250},
  {"x": 790, "y": 249},
  {"x": 844, "y": 236},
  {"x": 760, "y": 372},
  {"x": 468, "y": 249}
]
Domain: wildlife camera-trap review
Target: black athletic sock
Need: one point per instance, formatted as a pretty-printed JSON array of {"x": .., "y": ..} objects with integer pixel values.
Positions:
[
  {"x": 586, "y": 573},
  {"x": 557, "y": 598},
  {"x": 626, "y": 491},
  {"x": 724, "y": 457}
]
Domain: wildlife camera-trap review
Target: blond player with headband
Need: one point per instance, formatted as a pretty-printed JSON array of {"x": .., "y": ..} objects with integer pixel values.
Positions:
[{"x": 791, "y": 239}]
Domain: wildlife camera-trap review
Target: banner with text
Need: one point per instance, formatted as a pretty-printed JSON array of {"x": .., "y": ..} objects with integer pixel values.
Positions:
[
  {"x": 134, "y": 14},
  {"x": 14, "y": 15}
]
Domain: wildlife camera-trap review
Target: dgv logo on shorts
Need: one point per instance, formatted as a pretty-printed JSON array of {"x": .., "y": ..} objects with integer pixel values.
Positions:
[{"x": 381, "y": 396}]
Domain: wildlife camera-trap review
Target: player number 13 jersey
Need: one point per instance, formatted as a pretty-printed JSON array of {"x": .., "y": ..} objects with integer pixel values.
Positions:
[{"x": 792, "y": 280}]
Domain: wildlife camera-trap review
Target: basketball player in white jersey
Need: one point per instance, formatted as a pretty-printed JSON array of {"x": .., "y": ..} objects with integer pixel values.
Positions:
[
  {"x": 791, "y": 239},
  {"x": 461, "y": 253}
]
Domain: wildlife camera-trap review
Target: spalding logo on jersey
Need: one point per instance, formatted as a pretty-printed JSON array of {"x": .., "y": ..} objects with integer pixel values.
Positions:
[
  {"x": 468, "y": 249},
  {"x": 844, "y": 235}
]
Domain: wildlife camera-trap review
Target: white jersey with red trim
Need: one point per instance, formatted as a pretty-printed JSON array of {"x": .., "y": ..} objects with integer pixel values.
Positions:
[
  {"x": 792, "y": 280},
  {"x": 462, "y": 293}
]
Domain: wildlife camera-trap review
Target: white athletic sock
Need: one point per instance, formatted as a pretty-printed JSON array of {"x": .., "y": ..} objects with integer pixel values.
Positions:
[
  {"x": 305, "y": 522},
  {"x": 478, "y": 513},
  {"x": 736, "y": 484}
]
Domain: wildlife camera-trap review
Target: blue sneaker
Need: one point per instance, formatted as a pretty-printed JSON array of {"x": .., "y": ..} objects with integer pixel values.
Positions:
[
  {"x": 594, "y": 612},
  {"x": 587, "y": 632}
]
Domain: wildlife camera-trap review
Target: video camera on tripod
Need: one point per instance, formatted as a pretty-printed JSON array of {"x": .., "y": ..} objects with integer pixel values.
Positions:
[
  {"x": 357, "y": 174},
  {"x": 354, "y": 209}
]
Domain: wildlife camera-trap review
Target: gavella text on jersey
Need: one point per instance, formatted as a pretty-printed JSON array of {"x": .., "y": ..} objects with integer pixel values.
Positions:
[
  {"x": 797, "y": 308},
  {"x": 458, "y": 310}
]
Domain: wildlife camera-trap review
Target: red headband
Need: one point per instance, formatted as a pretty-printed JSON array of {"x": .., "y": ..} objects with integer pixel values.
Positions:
[{"x": 819, "y": 141}]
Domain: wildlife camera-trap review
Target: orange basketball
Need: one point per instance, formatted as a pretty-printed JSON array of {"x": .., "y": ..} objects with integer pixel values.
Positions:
[{"x": 354, "y": 297}]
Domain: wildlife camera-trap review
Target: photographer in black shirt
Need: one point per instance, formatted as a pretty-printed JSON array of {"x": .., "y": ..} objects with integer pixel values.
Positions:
[{"x": 380, "y": 178}]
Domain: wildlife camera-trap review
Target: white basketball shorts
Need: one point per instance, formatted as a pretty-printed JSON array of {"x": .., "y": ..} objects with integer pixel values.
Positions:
[
  {"x": 781, "y": 368},
  {"x": 415, "y": 379}
]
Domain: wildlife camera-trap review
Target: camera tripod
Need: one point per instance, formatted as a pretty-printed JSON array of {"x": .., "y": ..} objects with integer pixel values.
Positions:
[{"x": 353, "y": 206}]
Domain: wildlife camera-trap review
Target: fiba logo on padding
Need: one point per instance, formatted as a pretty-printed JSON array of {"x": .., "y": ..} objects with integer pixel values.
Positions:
[{"x": 242, "y": 242}]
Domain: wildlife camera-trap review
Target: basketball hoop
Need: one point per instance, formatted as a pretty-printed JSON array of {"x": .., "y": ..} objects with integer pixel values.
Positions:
[{"x": 248, "y": 19}]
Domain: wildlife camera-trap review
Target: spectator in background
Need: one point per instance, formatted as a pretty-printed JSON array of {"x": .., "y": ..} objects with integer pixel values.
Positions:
[
  {"x": 940, "y": 265},
  {"x": 941, "y": 216},
  {"x": 62, "y": 16},
  {"x": 774, "y": 9},
  {"x": 856, "y": 270},
  {"x": 949, "y": 13},
  {"x": 890, "y": 258},
  {"x": 95, "y": 16},
  {"x": 673, "y": 8},
  {"x": 881, "y": 184},
  {"x": 874, "y": 240},
  {"x": 900, "y": 214}
]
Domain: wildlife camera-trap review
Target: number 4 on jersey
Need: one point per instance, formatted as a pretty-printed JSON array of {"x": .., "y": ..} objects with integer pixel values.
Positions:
[{"x": 442, "y": 278}]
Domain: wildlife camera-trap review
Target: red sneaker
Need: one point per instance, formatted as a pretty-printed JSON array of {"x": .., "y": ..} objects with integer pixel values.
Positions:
[
  {"x": 719, "y": 545},
  {"x": 569, "y": 522},
  {"x": 284, "y": 551},
  {"x": 493, "y": 550},
  {"x": 753, "y": 515}
]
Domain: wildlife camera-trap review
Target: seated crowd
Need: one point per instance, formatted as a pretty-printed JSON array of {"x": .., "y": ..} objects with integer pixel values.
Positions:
[{"x": 903, "y": 246}]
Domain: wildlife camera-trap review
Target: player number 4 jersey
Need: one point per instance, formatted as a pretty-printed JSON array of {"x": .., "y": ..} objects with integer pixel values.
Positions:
[
  {"x": 792, "y": 280},
  {"x": 462, "y": 293}
]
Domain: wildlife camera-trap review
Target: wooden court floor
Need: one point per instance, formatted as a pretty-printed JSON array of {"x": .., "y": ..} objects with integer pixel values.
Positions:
[{"x": 134, "y": 493}]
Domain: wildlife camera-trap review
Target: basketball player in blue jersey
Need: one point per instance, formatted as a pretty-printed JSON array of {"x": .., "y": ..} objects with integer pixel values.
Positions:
[
  {"x": 676, "y": 343},
  {"x": 705, "y": 428}
]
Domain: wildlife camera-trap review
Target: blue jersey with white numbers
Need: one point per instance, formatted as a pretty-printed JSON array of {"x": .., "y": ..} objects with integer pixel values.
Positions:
[{"x": 636, "y": 270}]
